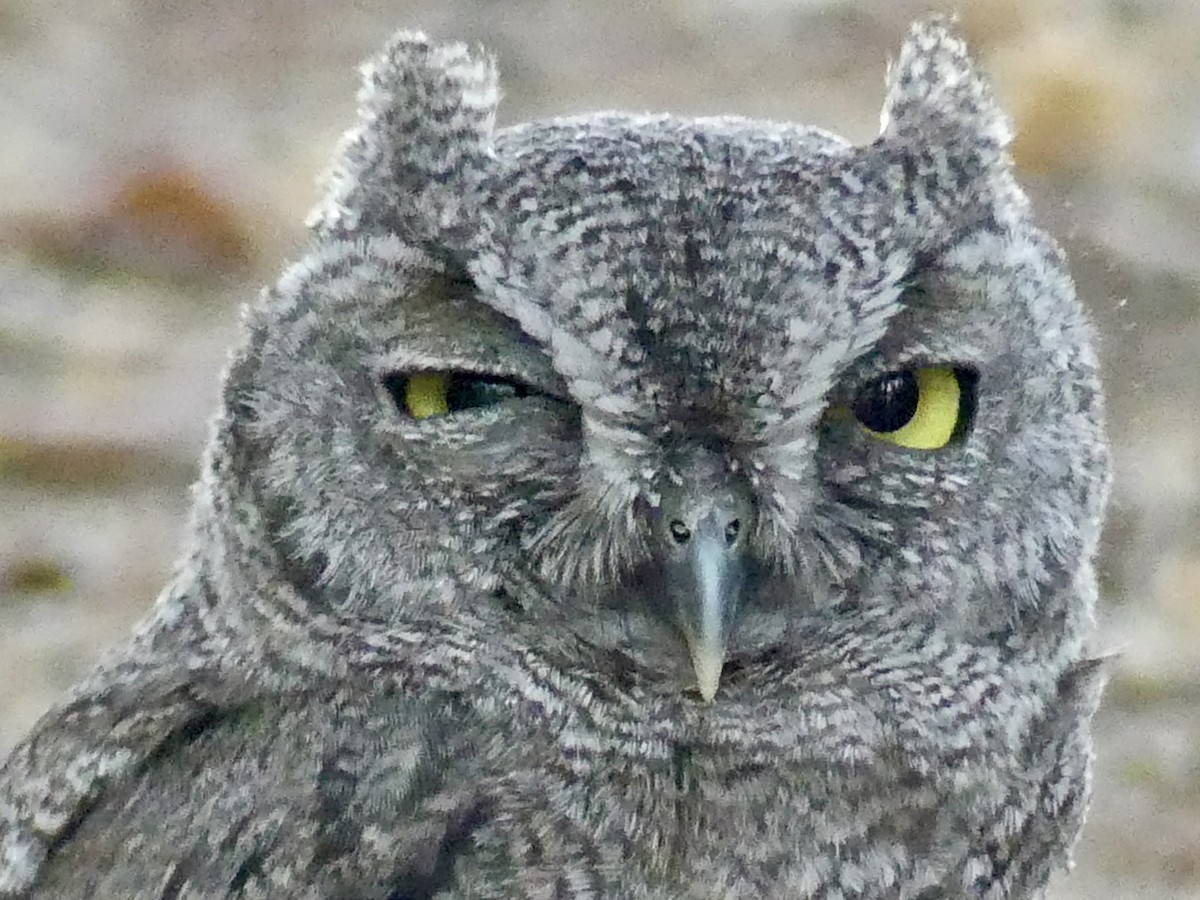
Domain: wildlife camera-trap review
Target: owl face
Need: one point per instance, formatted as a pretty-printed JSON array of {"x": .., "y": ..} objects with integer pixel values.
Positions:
[{"x": 681, "y": 396}]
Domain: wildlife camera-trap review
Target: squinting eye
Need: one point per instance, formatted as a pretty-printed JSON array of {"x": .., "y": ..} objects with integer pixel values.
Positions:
[
  {"x": 425, "y": 394},
  {"x": 922, "y": 409}
]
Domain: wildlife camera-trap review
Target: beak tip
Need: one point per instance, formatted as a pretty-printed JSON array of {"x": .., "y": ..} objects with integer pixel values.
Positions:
[{"x": 708, "y": 675}]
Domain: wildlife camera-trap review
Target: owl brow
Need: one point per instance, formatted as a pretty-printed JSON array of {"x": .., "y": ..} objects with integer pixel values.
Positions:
[{"x": 409, "y": 360}]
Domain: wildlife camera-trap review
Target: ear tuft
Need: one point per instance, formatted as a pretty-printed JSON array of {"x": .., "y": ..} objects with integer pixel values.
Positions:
[
  {"x": 425, "y": 121},
  {"x": 936, "y": 93}
]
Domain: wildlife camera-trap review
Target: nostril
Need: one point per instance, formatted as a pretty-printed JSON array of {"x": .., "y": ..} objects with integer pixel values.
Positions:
[
  {"x": 732, "y": 530},
  {"x": 680, "y": 532}
]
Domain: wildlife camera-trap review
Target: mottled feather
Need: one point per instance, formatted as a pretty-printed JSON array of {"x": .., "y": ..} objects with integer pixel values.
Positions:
[{"x": 411, "y": 657}]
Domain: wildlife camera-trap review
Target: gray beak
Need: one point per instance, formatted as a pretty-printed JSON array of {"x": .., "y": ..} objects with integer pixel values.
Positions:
[
  {"x": 702, "y": 531},
  {"x": 711, "y": 594}
]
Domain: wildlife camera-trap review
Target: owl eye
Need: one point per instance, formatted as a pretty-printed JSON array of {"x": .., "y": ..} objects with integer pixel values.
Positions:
[
  {"x": 425, "y": 394},
  {"x": 923, "y": 409}
]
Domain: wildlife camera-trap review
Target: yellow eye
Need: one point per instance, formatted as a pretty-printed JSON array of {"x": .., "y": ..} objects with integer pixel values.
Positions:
[
  {"x": 423, "y": 395},
  {"x": 917, "y": 408},
  {"x": 426, "y": 394}
]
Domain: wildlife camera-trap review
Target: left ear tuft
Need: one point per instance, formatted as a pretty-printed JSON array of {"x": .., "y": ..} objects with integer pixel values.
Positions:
[{"x": 936, "y": 95}]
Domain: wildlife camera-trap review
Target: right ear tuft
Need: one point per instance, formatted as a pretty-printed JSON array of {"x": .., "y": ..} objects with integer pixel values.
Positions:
[{"x": 425, "y": 121}]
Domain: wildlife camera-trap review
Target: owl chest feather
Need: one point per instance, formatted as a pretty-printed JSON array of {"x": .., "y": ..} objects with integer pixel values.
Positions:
[
  {"x": 709, "y": 821},
  {"x": 674, "y": 799}
]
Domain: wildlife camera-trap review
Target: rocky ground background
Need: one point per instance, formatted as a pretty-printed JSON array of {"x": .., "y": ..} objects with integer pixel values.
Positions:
[{"x": 156, "y": 162}]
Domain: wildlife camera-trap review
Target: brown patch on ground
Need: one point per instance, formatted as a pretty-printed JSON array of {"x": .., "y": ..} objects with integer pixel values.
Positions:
[
  {"x": 161, "y": 223},
  {"x": 86, "y": 464}
]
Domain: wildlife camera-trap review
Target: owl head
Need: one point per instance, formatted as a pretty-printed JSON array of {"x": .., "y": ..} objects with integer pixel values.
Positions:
[{"x": 678, "y": 397}]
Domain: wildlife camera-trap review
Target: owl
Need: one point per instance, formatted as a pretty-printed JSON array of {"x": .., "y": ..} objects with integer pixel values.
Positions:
[{"x": 618, "y": 506}]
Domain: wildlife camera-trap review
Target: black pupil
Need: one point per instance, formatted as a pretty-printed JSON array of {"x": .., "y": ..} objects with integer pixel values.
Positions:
[
  {"x": 889, "y": 402},
  {"x": 474, "y": 391}
]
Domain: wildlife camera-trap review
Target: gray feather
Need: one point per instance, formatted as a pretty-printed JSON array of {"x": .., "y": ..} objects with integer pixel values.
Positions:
[{"x": 408, "y": 657}]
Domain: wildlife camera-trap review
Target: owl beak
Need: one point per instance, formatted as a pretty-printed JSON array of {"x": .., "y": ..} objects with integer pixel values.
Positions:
[
  {"x": 708, "y": 598},
  {"x": 702, "y": 519},
  {"x": 702, "y": 531}
]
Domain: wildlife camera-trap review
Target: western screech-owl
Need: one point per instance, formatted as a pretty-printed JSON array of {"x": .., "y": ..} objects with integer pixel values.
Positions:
[{"x": 618, "y": 506}]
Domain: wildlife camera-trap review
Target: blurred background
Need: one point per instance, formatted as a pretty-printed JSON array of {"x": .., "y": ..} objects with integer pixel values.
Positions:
[{"x": 157, "y": 160}]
